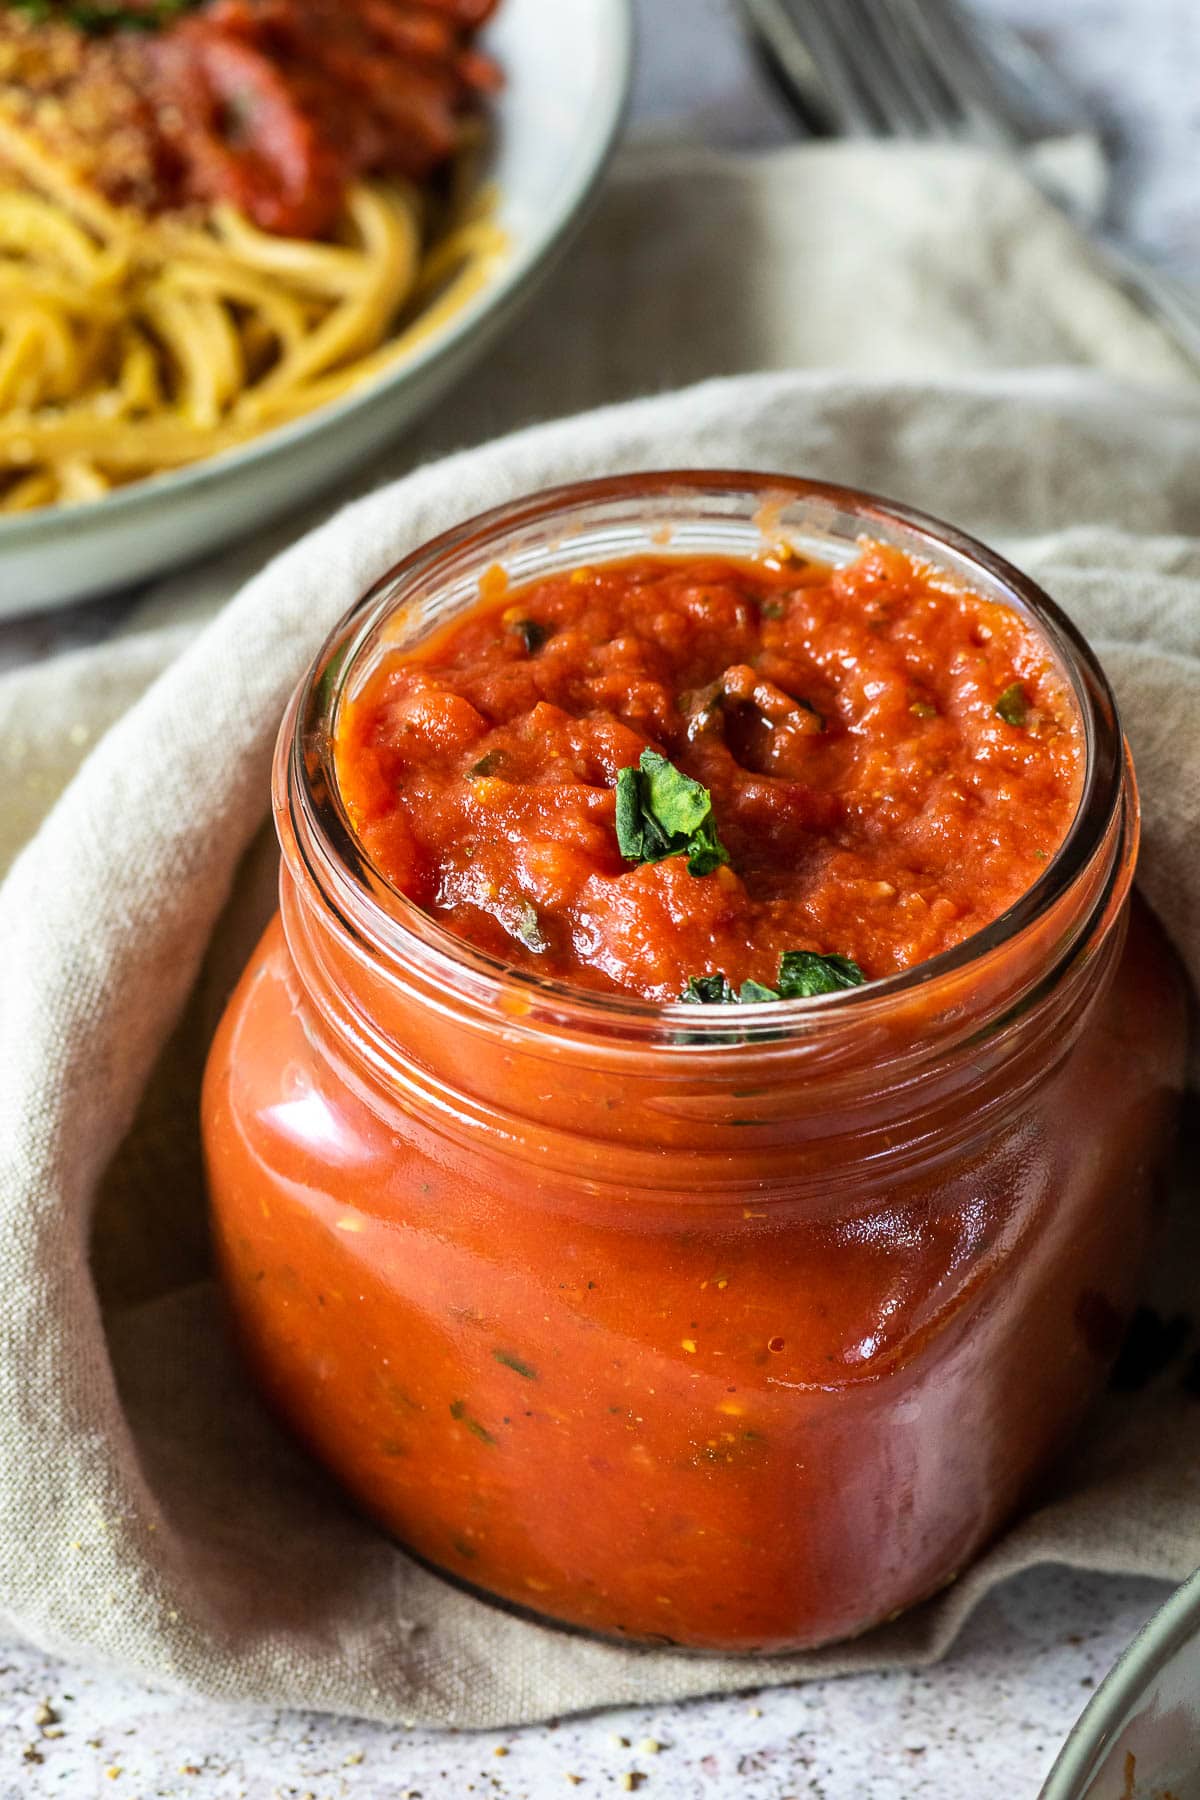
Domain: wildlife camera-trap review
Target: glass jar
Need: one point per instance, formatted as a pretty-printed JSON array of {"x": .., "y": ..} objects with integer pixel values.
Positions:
[{"x": 733, "y": 1332}]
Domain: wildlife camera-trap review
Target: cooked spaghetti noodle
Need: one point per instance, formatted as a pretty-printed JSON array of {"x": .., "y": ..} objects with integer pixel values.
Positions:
[{"x": 133, "y": 342}]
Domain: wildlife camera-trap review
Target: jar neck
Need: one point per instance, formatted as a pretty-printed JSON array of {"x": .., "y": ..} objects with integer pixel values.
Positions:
[{"x": 766, "y": 1094}]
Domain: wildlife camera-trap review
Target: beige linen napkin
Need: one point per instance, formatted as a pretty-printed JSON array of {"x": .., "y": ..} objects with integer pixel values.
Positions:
[{"x": 150, "y": 1514}]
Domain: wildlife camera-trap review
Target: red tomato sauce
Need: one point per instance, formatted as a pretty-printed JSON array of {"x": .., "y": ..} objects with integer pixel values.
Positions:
[
  {"x": 891, "y": 761},
  {"x": 670, "y": 1339}
]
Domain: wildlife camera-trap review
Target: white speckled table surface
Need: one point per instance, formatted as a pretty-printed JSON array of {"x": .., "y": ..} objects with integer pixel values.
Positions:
[
  {"x": 983, "y": 1725},
  {"x": 989, "y": 1719}
]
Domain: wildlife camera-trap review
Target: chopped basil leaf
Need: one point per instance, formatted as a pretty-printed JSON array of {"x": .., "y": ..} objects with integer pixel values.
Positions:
[
  {"x": 531, "y": 634},
  {"x": 708, "y": 990},
  {"x": 1013, "y": 705},
  {"x": 524, "y": 1369},
  {"x": 630, "y": 825},
  {"x": 706, "y": 852},
  {"x": 923, "y": 709},
  {"x": 662, "y": 812},
  {"x": 752, "y": 992},
  {"x": 487, "y": 764},
  {"x": 677, "y": 803},
  {"x": 772, "y": 609},
  {"x": 803, "y": 973}
]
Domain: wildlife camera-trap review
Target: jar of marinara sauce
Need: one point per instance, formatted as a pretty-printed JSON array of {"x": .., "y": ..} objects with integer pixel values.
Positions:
[{"x": 732, "y": 1327}]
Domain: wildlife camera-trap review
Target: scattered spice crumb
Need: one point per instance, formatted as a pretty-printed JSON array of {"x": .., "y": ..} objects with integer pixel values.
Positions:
[
  {"x": 632, "y": 1780},
  {"x": 114, "y": 1773},
  {"x": 649, "y": 1746},
  {"x": 574, "y": 1779},
  {"x": 32, "y": 1754},
  {"x": 45, "y": 1714},
  {"x": 500, "y": 1750},
  {"x": 622, "y": 1742},
  {"x": 755, "y": 1712}
]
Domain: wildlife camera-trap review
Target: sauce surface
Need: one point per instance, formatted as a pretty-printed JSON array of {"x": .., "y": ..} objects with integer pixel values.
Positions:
[{"x": 890, "y": 762}]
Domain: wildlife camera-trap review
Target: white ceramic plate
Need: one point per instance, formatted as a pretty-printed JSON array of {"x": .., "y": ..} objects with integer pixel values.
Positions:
[{"x": 566, "y": 65}]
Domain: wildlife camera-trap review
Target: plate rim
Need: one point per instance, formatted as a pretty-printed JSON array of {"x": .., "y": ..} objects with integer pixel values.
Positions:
[
  {"x": 24, "y": 531},
  {"x": 1165, "y": 1632}
]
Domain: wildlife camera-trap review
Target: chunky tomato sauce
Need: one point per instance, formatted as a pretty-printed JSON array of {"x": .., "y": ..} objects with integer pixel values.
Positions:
[{"x": 890, "y": 763}]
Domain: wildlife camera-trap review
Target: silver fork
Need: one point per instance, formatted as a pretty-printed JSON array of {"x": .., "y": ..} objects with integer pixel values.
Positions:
[{"x": 932, "y": 69}]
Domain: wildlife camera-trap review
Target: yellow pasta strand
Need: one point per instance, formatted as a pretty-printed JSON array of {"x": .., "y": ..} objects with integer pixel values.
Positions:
[
  {"x": 129, "y": 346},
  {"x": 30, "y": 491}
]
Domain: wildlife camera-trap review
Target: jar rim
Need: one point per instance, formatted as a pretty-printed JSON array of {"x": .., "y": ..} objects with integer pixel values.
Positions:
[{"x": 314, "y": 823}]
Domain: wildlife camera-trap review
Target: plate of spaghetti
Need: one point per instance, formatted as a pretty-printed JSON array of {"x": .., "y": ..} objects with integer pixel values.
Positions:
[{"x": 244, "y": 242}]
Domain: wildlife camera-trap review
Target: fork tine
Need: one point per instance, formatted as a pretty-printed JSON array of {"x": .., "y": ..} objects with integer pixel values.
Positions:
[
  {"x": 942, "y": 101},
  {"x": 854, "y": 42},
  {"x": 897, "y": 75},
  {"x": 993, "y": 111},
  {"x": 852, "y": 102},
  {"x": 878, "y": 78},
  {"x": 776, "y": 38}
]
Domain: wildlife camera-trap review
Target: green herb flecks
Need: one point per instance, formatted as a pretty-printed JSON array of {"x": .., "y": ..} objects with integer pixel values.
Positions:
[
  {"x": 488, "y": 763},
  {"x": 708, "y": 990},
  {"x": 802, "y": 973},
  {"x": 458, "y": 1410},
  {"x": 531, "y": 634},
  {"x": 662, "y": 812},
  {"x": 1013, "y": 705},
  {"x": 753, "y": 993},
  {"x": 527, "y": 926},
  {"x": 525, "y": 1370},
  {"x": 97, "y": 18}
]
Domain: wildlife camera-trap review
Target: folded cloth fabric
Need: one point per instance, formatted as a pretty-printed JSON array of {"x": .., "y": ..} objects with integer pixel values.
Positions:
[{"x": 150, "y": 1513}]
